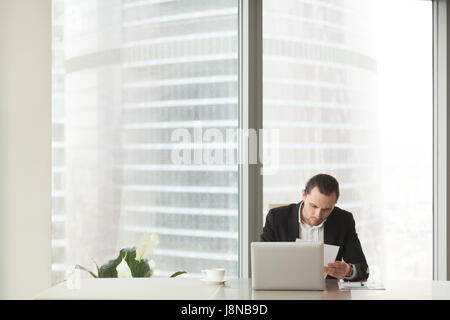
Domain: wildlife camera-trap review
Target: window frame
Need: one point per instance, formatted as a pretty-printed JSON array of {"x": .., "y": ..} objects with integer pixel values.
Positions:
[
  {"x": 250, "y": 181},
  {"x": 250, "y": 116},
  {"x": 441, "y": 166},
  {"x": 250, "y": 103}
]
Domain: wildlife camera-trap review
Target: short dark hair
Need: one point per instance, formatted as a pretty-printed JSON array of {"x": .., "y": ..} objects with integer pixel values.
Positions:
[{"x": 326, "y": 184}]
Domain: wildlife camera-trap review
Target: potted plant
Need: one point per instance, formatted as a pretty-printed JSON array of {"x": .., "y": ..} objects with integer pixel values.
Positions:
[{"x": 132, "y": 262}]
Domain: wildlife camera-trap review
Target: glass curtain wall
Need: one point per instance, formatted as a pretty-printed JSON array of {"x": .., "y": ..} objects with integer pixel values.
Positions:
[
  {"x": 348, "y": 84},
  {"x": 127, "y": 75}
]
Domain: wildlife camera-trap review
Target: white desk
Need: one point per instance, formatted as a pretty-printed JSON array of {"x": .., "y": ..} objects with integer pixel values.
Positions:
[{"x": 237, "y": 289}]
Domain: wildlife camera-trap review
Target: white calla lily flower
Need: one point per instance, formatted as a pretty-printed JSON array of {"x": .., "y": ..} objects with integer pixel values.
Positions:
[
  {"x": 152, "y": 264},
  {"x": 147, "y": 244},
  {"x": 123, "y": 270}
]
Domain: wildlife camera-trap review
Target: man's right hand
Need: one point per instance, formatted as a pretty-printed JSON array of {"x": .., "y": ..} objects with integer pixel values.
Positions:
[{"x": 338, "y": 269}]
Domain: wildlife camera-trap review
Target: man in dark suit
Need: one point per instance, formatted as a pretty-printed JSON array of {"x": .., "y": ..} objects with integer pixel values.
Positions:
[{"x": 316, "y": 218}]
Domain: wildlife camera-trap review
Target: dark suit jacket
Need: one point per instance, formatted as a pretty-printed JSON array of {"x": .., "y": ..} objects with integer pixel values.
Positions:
[{"x": 282, "y": 224}]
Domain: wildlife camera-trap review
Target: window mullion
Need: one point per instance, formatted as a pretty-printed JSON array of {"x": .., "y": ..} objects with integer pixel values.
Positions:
[
  {"x": 441, "y": 142},
  {"x": 250, "y": 118}
]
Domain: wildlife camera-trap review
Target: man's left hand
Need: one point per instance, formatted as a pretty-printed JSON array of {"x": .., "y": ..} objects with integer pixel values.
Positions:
[{"x": 338, "y": 269}]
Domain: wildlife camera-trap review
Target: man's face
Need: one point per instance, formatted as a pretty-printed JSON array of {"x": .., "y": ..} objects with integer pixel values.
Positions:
[{"x": 317, "y": 206}]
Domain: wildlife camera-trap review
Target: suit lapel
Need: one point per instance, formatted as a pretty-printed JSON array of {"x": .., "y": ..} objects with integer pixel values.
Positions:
[
  {"x": 293, "y": 225},
  {"x": 329, "y": 229}
]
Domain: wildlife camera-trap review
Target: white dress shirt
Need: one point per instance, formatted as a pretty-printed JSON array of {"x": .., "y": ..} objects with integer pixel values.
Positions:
[{"x": 315, "y": 234}]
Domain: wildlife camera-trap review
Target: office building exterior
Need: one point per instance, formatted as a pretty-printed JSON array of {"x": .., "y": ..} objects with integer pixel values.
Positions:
[{"x": 126, "y": 74}]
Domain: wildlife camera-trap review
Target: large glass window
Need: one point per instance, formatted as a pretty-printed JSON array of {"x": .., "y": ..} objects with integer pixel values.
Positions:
[
  {"x": 348, "y": 84},
  {"x": 127, "y": 74}
]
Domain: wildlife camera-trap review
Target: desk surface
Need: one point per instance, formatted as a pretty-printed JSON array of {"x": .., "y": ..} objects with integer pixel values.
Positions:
[{"x": 236, "y": 289}]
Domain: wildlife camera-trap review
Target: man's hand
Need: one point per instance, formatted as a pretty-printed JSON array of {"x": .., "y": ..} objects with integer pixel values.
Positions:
[{"x": 338, "y": 269}]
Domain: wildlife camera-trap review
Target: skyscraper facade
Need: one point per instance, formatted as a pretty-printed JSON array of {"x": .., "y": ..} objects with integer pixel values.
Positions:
[
  {"x": 127, "y": 74},
  {"x": 320, "y": 92}
]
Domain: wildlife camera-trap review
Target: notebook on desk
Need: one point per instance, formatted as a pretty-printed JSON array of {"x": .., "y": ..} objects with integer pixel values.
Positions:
[{"x": 287, "y": 266}]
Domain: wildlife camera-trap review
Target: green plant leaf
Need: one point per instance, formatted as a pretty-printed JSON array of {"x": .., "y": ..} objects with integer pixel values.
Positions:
[
  {"x": 139, "y": 269},
  {"x": 96, "y": 265},
  {"x": 108, "y": 270},
  {"x": 148, "y": 274},
  {"x": 176, "y": 274},
  {"x": 84, "y": 269}
]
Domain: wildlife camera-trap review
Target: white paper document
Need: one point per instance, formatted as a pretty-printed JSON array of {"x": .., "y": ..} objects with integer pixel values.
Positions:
[
  {"x": 329, "y": 254},
  {"x": 348, "y": 285}
]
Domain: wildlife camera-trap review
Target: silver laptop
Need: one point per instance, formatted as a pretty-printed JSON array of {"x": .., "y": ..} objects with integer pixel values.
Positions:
[{"x": 287, "y": 266}]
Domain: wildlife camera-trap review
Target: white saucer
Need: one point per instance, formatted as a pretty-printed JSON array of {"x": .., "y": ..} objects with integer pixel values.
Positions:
[{"x": 212, "y": 282}]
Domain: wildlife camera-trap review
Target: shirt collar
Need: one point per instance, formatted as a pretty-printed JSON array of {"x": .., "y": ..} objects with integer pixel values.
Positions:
[{"x": 305, "y": 225}]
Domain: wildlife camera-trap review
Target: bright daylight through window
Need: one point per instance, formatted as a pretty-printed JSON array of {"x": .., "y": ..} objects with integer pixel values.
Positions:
[
  {"x": 347, "y": 84},
  {"x": 126, "y": 76}
]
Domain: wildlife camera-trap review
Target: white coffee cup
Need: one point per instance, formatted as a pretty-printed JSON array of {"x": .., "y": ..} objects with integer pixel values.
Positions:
[{"x": 215, "y": 274}]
